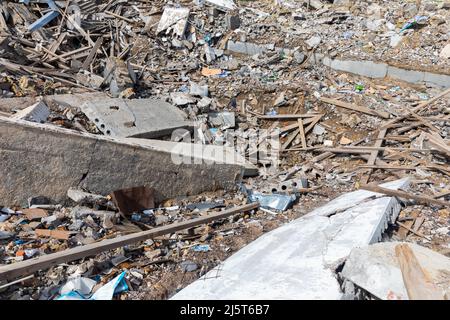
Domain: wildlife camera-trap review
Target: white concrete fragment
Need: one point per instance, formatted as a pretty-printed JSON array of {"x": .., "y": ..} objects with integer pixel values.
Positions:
[
  {"x": 313, "y": 42},
  {"x": 38, "y": 112},
  {"x": 445, "y": 53},
  {"x": 375, "y": 269},
  {"x": 181, "y": 98},
  {"x": 298, "y": 260},
  {"x": 224, "y": 5},
  {"x": 396, "y": 39},
  {"x": 173, "y": 19}
]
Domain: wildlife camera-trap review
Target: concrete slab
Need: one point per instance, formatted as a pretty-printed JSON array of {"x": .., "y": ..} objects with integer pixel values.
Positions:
[
  {"x": 364, "y": 68},
  {"x": 44, "y": 160},
  {"x": 174, "y": 19},
  {"x": 380, "y": 70},
  {"x": 406, "y": 75},
  {"x": 143, "y": 118},
  {"x": 441, "y": 80},
  {"x": 298, "y": 260},
  {"x": 375, "y": 269}
]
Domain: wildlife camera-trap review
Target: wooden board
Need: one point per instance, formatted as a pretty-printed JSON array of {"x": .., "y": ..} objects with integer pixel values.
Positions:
[
  {"x": 26, "y": 267},
  {"x": 354, "y": 107},
  {"x": 405, "y": 195},
  {"x": 417, "y": 282}
]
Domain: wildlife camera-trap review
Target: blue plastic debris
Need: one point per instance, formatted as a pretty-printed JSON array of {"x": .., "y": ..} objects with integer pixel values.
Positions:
[
  {"x": 47, "y": 18},
  {"x": 224, "y": 74},
  {"x": 113, "y": 287},
  {"x": 414, "y": 22},
  {"x": 201, "y": 248}
]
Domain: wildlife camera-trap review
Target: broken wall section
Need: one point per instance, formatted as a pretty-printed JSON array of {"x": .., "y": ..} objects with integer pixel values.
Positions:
[{"x": 45, "y": 160}]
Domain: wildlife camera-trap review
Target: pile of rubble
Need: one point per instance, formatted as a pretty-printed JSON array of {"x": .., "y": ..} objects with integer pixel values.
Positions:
[{"x": 143, "y": 143}]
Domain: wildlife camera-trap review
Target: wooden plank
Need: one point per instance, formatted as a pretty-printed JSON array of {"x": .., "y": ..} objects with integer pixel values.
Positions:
[
  {"x": 78, "y": 27},
  {"x": 26, "y": 267},
  {"x": 34, "y": 213},
  {"x": 405, "y": 195},
  {"x": 284, "y": 116},
  {"x": 370, "y": 149},
  {"x": 296, "y": 132},
  {"x": 403, "y": 232},
  {"x": 57, "y": 234},
  {"x": 412, "y": 230},
  {"x": 438, "y": 143},
  {"x": 302, "y": 132},
  {"x": 418, "y": 223},
  {"x": 417, "y": 282},
  {"x": 390, "y": 167},
  {"x": 425, "y": 122},
  {"x": 92, "y": 54},
  {"x": 374, "y": 155},
  {"x": 442, "y": 194},
  {"x": 328, "y": 154},
  {"x": 426, "y": 103},
  {"x": 354, "y": 107},
  {"x": 119, "y": 17}
]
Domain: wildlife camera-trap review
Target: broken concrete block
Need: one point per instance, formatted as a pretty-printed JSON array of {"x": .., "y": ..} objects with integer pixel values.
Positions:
[
  {"x": 79, "y": 196},
  {"x": 315, "y": 4},
  {"x": 143, "y": 118},
  {"x": 248, "y": 48},
  {"x": 38, "y": 112},
  {"x": 224, "y": 5},
  {"x": 233, "y": 22},
  {"x": 46, "y": 160},
  {"x": 313, "y": 42},
  {"x": 204, "y": 103},
  {"x": 90, "y": 80},
  {"x": 222, "y": 119},
  {"x": 375, "y": 269},
  {"x": 174, "y": 19},
  {"x": 298, "y": 260},
  {"x": 210, "y": 54},
  {"x": 181, "y": 98},
  {"x": 396, "y": 39},
  {"x": 198, "y": 90}
]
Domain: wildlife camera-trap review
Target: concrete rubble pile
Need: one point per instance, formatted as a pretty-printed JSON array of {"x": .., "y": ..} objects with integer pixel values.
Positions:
[{"x": 224, "y": 149}]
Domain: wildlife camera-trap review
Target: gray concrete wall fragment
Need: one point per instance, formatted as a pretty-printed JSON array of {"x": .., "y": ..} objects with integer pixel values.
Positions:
[{"x": 37, "y": 159}]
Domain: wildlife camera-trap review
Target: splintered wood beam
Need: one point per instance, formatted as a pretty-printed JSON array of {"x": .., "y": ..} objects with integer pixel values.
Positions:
[
  {"x": 92, "y": 54},
  {"x": 353, "y": 107},
  {"x": 296, "y": 132},
  {"x": 405, "y": 195},
  {"x": 374, "y": 155},
  {"x": 426, "y": 103},
  {"x": 22, "y": 268},
  {"x": 417, "y": 281},
  {"x": 302, "y": 132}
]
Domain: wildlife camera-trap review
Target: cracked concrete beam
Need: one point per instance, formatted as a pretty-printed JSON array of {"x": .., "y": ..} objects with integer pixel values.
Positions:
[
  {"x": 44, "y": 160},
  {"x": 139, "y": 118},
  {"x": 299, "y": 260}
]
